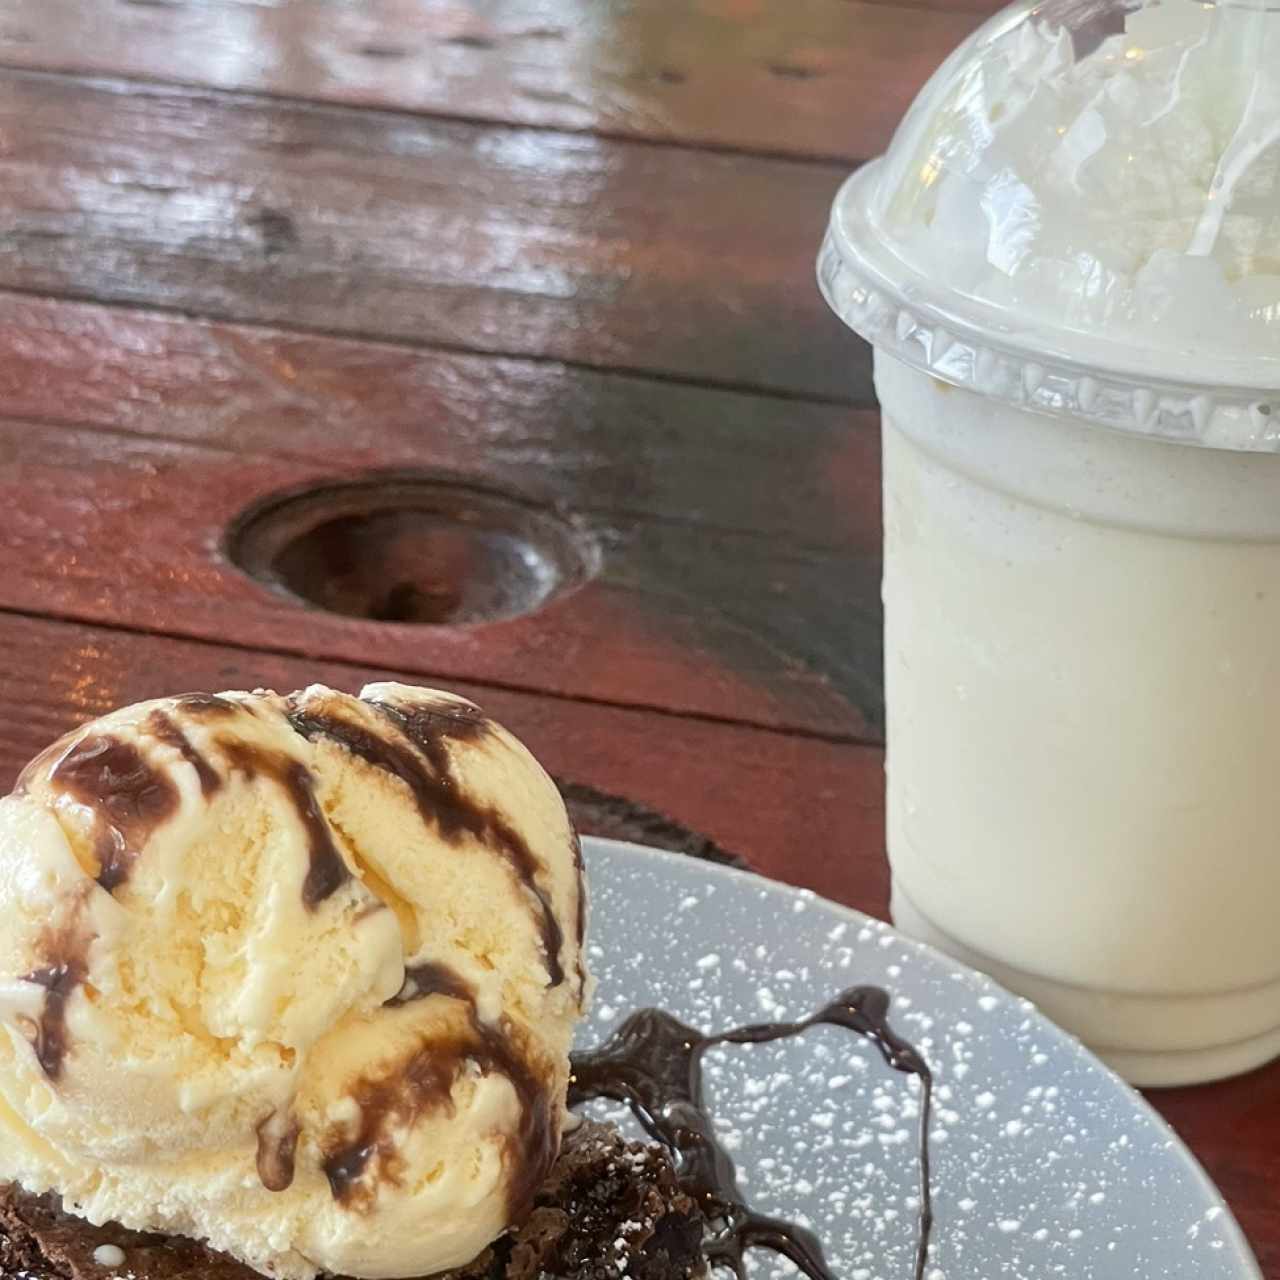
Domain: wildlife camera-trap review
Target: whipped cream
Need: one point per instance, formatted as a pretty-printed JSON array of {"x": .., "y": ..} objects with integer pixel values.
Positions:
[{"x": 1123, "y": 184}]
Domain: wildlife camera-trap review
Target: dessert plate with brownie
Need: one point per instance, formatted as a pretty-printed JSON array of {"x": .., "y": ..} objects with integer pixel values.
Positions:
[{"x": 290, "y": 985}]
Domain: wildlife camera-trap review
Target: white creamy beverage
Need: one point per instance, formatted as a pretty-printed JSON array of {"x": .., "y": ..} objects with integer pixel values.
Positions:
[
  {"x": 1083, "y": 709},
  {"x": 1069, "y": 263}
]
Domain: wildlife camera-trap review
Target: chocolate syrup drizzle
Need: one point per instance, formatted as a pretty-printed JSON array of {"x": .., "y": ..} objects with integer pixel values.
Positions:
[
  {"x": 432, "y": 979},
  {"x": 580, "y": 871},
  {"x": 654, "y": 1064},
  {"x": 425, "y": 1082},
  {"x": 164, "y": 728},
  {"x": 327, "y": 872},
  {"x": 278, "y": 1138},
  {"x": 440, "y": 798},
  {"x": 59, "y": 982},
  {"x": 127, "y": 796},
  {"x": 209, "y": 704}
]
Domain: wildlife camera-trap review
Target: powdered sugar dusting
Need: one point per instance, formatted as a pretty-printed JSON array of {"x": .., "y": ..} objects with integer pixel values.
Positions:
[{"x": 1040, "y": 1157}]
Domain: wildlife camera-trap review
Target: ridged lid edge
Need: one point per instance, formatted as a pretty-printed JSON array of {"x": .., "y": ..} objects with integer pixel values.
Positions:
[{"x": 916, "y": 331}]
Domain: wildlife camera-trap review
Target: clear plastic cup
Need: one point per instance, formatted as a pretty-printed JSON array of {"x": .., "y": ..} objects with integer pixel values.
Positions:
[{"x": 1069, "y": 265}]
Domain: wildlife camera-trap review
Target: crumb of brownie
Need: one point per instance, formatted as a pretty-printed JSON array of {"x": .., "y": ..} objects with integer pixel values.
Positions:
[{"x": 609, "y": 1209}]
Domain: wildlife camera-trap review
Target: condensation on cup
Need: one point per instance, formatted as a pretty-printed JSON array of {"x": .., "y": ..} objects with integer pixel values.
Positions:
[{"x": 1069, "y": 265}]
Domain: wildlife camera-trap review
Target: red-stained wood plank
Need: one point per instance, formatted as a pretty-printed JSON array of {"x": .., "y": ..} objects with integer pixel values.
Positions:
[
  {"x": 749, "y": 596},
  {"x": 814, "y": 818},
  {"x": 800, "y": 810},
  {"x": 1234, "y": 1130},
  {"x": 576, "y": 439},
  {"x": 686, "y": 264},
  {"x": 808, "y": 77},
  {"x": 123, "y": 529}
]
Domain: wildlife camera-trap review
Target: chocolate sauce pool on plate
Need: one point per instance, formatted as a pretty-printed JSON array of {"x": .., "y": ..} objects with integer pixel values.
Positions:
[{"x": 653, "y": 1063}]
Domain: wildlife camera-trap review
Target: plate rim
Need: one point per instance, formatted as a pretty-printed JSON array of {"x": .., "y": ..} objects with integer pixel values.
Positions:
[{"x": 628, "y": 849}]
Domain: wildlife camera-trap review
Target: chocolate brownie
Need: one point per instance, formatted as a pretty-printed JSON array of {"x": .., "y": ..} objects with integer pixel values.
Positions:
[{"x": 608, "y": 1209}]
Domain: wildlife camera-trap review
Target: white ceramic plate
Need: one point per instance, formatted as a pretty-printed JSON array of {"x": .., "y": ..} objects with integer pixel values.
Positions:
[{"x": 1046, "y": 1165}]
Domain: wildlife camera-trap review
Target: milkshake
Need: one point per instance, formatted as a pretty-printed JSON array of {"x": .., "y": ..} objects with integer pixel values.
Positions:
[{"x": 1069, "y": 263}]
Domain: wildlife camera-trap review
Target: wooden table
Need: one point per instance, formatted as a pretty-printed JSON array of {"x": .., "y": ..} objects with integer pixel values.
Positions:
[{"x": 558, "y": 250}]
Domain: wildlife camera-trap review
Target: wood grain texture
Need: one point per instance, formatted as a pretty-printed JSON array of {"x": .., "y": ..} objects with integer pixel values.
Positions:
[
  {"x": 752, "y": 598},
  {"x": 685, "y": 264},
  {"x": 816, "y": 811},
  {"x": 803, "y": 811},
  {"x": 577, "y": 439},
  {"x": 809, "y": 77},
  {"x": 123, "y": 529}
]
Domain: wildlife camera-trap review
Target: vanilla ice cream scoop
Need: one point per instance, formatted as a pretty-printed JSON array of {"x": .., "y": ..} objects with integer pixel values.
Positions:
[{"x": 293, "y": 975}]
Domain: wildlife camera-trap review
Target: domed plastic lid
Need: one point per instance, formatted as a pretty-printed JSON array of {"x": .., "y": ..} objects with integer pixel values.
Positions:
[{"x": 1081, "y": 213}]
